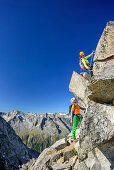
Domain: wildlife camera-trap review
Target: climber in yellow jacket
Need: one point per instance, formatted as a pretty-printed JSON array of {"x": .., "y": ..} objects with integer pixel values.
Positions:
[{"x": 84, "y": 63}]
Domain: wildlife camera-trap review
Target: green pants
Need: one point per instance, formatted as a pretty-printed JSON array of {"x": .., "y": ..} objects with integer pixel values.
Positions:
[{"x": 75, "y": 124}]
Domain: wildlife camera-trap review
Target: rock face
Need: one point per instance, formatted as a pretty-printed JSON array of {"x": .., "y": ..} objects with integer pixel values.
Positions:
[
  {"x": 38, "y": 131},
  {"x": 97, "y": 127},
  {"x": 104, "y": 55},
  {"x": 101, "y": 88},
  {"x": 105, "y": 47},
  {"x": 12, "y": 150}
]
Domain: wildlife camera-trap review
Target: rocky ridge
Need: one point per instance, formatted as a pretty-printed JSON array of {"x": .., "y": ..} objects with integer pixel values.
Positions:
[
  {"x": 13, "y": 153},
  {"x": 95, "y": 148},
  {"x": 61, "y": 155}
]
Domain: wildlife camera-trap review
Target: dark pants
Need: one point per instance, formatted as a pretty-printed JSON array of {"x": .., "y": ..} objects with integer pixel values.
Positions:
[{"x": 90, "y": 71}]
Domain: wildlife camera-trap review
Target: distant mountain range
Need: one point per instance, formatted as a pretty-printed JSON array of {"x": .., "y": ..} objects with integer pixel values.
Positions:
[{"x": 38, "y": 130}]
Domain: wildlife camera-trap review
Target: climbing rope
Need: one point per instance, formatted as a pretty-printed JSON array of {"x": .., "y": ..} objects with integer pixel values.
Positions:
[{"x": 92, "y": 57}]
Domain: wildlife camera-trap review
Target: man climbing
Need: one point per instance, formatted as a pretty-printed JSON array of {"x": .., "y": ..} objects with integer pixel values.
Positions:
[
  {"x": 84, "y": 63},
  {"x": 75, "y": 116}
]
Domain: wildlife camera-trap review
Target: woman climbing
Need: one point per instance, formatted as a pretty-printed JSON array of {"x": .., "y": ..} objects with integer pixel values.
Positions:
[{"x": 84, "y": 63}]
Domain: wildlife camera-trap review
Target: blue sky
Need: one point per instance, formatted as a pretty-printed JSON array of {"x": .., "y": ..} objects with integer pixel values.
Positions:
[{"x": 40, "y": 41}]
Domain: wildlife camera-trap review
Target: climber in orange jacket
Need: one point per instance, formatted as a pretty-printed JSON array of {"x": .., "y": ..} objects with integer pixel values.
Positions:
[
  {"x": 75, "y": 115},
  {"x": 84, "y": 63}
]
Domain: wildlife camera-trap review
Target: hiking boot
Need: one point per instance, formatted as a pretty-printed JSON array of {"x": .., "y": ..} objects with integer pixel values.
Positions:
[{"x": 76, "y": 140}]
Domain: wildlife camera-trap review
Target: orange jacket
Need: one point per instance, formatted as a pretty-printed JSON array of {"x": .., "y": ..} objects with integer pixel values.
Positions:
[{"x": 75, "y": 109}]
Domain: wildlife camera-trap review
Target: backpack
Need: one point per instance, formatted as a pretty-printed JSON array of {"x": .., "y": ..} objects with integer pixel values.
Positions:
[
  {"x": 82, "y": 65},
  {"x": 70, "y": 108}
]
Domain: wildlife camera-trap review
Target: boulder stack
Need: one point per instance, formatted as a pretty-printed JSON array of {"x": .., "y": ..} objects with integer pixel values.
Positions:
[{"x": 96, "y": 141}]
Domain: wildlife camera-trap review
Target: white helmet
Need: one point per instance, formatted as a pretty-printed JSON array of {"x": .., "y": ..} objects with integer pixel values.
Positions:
[{"x": 72, "y": 99}]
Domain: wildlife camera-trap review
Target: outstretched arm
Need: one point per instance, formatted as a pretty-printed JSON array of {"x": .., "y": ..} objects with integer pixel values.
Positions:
[
  {"x": 90, "y": 54},
  {"x": 82, "y": 108}
]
